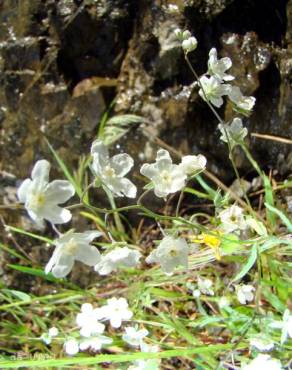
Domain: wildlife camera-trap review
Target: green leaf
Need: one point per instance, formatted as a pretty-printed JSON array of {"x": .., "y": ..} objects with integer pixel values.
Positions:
[
  {"x": 35, "y": 272},
  {"x": 65, "y": 170},
  {"x": 93, "y": 360},
  {"x": 269, "y": 198},
  {"x": 230, "y": 244},
  {"x": 35, "y": 236},
  {"x": 18, "y": 294},
  {"x": 281, "y": 215},
  {"x": 250, "y": 262}
]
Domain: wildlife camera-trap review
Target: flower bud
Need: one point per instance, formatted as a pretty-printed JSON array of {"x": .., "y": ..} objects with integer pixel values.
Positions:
[{"x": 190, "y": 44}]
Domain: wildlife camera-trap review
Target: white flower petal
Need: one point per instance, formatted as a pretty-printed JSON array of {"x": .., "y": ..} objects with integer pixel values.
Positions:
[
  {"x": 116, "y": 322},
  {"x": 121, "y": 163},
  {"x": 56, "y": 214},
  {"x": 71, "y": 347},
  {"x": 128, "y": 188},
  {"x": 149, "y": 170},
  {"x": 59, "y": 191},
  {"x": 23, "y": 190},
  {"x": 41, "y": 170},
  {"x": 100, "y": 149},
  {"x": 87, "y": 254}
]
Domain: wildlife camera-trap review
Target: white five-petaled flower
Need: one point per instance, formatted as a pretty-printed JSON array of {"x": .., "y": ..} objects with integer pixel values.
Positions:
[
  {"x": 41, "y": 198},
  {"x": 232, "y": 219},
  {"x": 88, "y": 322},
  {"x": 214, "y": 89},
  {"x": 191, "y": 164},
  {"x": 233, "y": 133},
  {"x": 205, "y": 285},
  {"x": 133, "y": 336},
  {"x": 94, "y": 343},
  {"x": 118, "y": 257},
  {"x": 245, "y": 293},
  {"x": 71, "y": 347},
  {"x": 111, "y": 171},
  {"x": 116, "y": 310},
  {"x": 263, "y": 362},
  {"x": 170, "y": 253},
  {"x": 166, "y": 177},
  {"x": 70, "y": 247},
  {"x": 217, "y": 67},
  {"x": 243, "y": 103}
]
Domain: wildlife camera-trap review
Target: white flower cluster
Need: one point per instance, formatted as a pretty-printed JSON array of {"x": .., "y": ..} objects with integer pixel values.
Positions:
[{"x": 91, "y": 330}]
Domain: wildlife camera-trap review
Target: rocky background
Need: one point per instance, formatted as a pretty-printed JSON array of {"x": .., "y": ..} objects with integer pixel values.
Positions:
[{"x": 62, "y": 63}]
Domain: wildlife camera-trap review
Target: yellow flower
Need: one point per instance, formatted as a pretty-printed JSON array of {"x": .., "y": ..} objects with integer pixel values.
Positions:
[{"x": 212, "y": 241}]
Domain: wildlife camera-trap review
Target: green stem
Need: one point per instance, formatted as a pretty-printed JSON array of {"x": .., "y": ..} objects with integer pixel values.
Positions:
[
  {"x": 117, "y": 218},
  {"x": 223, "y": 125}
]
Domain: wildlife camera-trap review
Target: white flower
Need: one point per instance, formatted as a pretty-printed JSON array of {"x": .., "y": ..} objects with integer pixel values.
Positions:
[
  {"x": 204, "y": 286},
  {"x": 88, "y": 322},
  {"x": 111, "y": 171},
  {"x": 167, "y": 177},
  {"x": 213, "y": 90},
  {"x": 189, "y": 44},
  {"x": 232, "y": 219},
  {"x": 41, "y": 198},
  {"x": 94, "y": 343},
  {"x": 70, "y": 247},
  {"x": 71, "y": 347},
  {"x": 193, "y": 163},
  {"x": 118, "y": 257},
  {"x": 133, "y": 336},
  {"x": 217, "y": 67},
  {"x": 170, "y": 253},
  {"x": 261, "y": 344},
  {"x": 234, "y": 133},
  {"x": 265, "y": 362},
  {"x": 116, "y": 310},
  {"x": 285, "y": 325},
  {"x": 245, "y": 293},
  {"x": 53, "y": 332},
  {"x": 243, "y": 103}
]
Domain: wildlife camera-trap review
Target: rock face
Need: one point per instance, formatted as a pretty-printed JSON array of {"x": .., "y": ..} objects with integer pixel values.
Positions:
[{"x": 63, "y": 62}]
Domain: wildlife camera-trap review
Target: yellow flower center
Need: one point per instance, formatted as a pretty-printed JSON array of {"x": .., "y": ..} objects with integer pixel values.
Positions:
[
  {"x": 165, "y": 177},
  {"x": 70, "y": 247},
  {"x": 37, "y": 201},
  {"x": 173, "y": 252},
  {"x": 109, "y": 171}
]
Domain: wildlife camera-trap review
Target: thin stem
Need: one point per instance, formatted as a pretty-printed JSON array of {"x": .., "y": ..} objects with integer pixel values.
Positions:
[
  {"x": 117, "y": 218},
  {"x": 179, "y": 202},
  {"x": 224, "y": 128}
]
